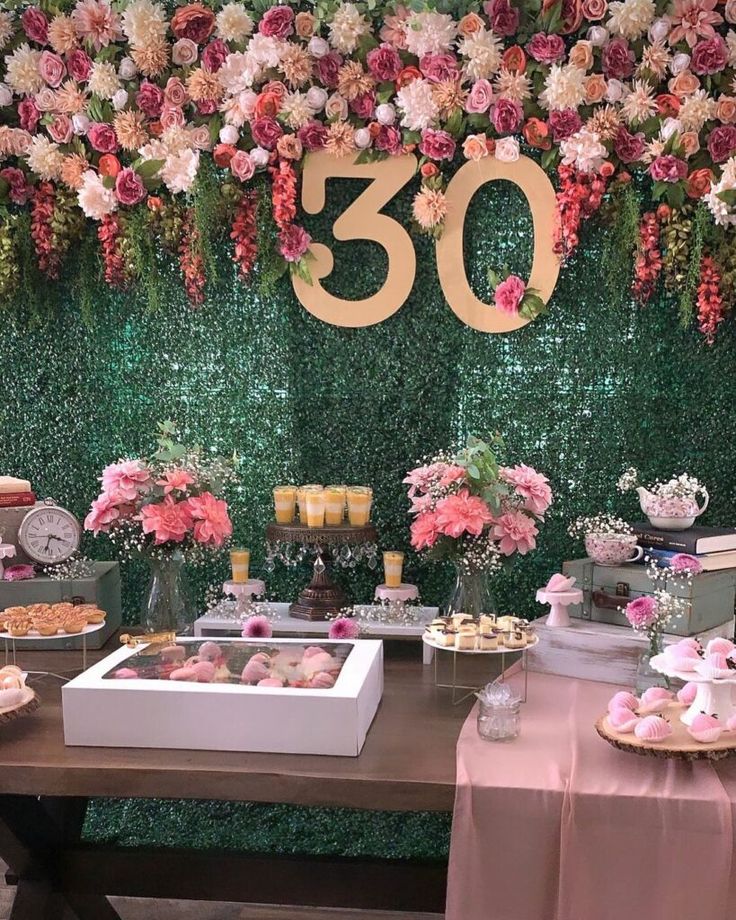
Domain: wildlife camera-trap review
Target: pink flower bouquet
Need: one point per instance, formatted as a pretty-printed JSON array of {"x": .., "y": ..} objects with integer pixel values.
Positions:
[
  {"x": 165, "y": 502},
  {"x": 472, "y": 511}
]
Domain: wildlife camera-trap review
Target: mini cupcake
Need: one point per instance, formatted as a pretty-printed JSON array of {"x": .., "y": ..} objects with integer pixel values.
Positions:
[
  {"x": 705, "y": 728},
  {"x": 653, "y": 729},
  {"x": 623, "y": 699},
  {"x": 623, "y": 720}
]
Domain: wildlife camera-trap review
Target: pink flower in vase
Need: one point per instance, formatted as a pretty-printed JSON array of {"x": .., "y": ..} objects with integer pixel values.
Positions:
[
  {"x": 531, "y": 485},
  {"x": 421, "y": 478},
  {"x": 107, "y": 508},
  {"x": 257, "y": 627},
  {"x": 462, "y": 513},
  {"x": 424, "y": 530},
  {"x": 642, "y": 612},
  {"x": 175, "y": 480},
  {"x": 167, "y": 520},
  {"x": 344, "y": 628},
  {"x": 453, "y": 474},
  {"x": 213, "y": 524},
  {"x": 420, "y": 503},
  {"x": 129, "y": 478},
  {"x": 516, "y": 533}
]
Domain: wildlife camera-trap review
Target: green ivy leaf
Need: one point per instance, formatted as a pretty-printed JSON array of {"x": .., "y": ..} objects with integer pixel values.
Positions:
[{"x": 148, "y": 169}]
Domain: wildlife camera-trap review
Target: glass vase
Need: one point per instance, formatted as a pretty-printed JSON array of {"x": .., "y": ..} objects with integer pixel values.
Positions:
[
  {"x": 471, "y": 594},
  {"x": 168, "y": 603},
  {"x": 646, "y": 676}
]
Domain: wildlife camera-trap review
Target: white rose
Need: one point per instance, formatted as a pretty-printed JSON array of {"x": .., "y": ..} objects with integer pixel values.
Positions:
[
  {"x": 659, "y": 30},
  {"x": 184, "y": 52},
  {"x": 385, "y": 114},
  {"x": 247, "y": 103},
  {"x": 336, "y": 107},
  {"x": 507, "y": 149},
  {"x": 127, "y": 69},
  {"x": 679, "y": 63},
  {"x": 316, "y": 98},
  {"x": 362, "y": 138},
  {"x": 260, "y": 157},
  {"x": 80, "y": 124},
  {"x": 6, "y": 95},
  {"x": 669, "y": 127},
  {"x": 120, "y": 100},
  {"x": 229, "y": 134},
  {"x": 597, "y": 35},
  {"x": 614, "y": 91},
  {"x": 317, "y": 46},
  {"x": 45, "y": 99}
]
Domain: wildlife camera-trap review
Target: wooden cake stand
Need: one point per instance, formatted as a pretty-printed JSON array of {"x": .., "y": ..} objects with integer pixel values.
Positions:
[{"x": 321, "y": 598}]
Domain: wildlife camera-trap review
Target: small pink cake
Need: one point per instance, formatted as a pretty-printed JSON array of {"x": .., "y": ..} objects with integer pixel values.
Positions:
[
  {"x": 687, "y": 694},
  {"x": 623, "y": 720},
  {"x": 322, "y": 681},
  {"x": 653, "y": 728},
  {"x": 311, "y": 650},
  {"x": 623, "y": 699},
  {"x": 270, "y": 682},
  {"x": 655, "y": 699},
  {"x": 254, "y": 671},
  {"x": 705, "y": 728},
  {"x": 720, "y": 646}
]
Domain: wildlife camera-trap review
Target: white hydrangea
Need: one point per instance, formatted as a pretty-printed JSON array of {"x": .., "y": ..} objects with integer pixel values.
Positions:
[
  {"x": 430, "y": 33},
  {"x": 233, "y": 23},
  {"x": 94, "y": 198},
  {"x": 103, "y": 80},
  {"x": 564, "y": 88},
  {"x": 21, "y": 70},
  {"x": 482, "y": 51},
  {"x": 44, "y": 158},
  {"x": 723, "y": 213},
  {"x": 266, "y": 51},
  {"x": 631, "y": 18},
  {"x": 144, "y": 23},
  {"x": 347, "y": 27},
  {"x": 180, "y": 170},
  {"x": 417, "y": 103}
]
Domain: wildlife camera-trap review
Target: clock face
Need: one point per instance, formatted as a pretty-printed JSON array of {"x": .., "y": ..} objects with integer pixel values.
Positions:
[{"x": 49, "y": 534}]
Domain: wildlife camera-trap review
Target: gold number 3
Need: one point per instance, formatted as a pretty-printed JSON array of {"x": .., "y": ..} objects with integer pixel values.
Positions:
[{"x": 362, "y": 221}]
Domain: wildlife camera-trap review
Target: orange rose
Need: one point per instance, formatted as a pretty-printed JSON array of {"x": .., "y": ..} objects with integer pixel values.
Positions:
[
  {"x": 428, "y": 170},
  {"x": 581, "y": 55},
  {"x": 375, "y": 129},
  {"x": 595, "y": 88},
  {"x": 109, "y": 165},
  {"x": 699, "y": 182},
  {"x": 572, "y": 14},
  {"x": 690, "y": 143},
  {"x": 222, "y": 154},
  {"x": 607, "y": 169},
  {"x": 407, "y": 75},
  {"x": 684, "y": 84},
  {"x": 304, "y": 25},
  {"x": 155, "y": 128},
  {"x": 470, "y": 24},
  {"x": 154, "y": 203},
  {"x": 193, "y": 21},
  {"x": 726, "y": 109},
  {"x": 667, "y": 105},
  {"x": 475, "y": 147},
  {"x": 514, "y": 59},
  {"x": 267, "y": 104},
  {"x": 289, "y": 147},
  {"x": 536, "y": 134}
]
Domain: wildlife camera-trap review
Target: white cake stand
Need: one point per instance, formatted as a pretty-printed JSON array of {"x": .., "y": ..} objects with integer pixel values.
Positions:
[
  {"x": 32, "y": 635},
  {"x": 715, "y": 695}
]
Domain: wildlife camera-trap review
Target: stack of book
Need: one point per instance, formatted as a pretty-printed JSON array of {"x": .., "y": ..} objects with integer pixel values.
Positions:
[
  {"x": 15, "y": 493},
  {"x": 714, "y": 547}
]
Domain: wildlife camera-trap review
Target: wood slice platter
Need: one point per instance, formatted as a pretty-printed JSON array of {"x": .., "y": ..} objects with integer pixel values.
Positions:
[
  {"x": 29, "y": 704},
  {"x": 679, "y": 745}
]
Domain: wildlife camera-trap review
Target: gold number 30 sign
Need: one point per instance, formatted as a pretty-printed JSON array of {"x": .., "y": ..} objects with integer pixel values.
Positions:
[{"x": 362, "y": 221}]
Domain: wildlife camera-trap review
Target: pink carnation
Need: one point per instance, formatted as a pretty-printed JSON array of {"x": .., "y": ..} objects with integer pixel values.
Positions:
[
  {"x": 257, "y": 627},
  {"x": 709, "y": 56},
  {"x": 175, "y": 480},
  {"x": 437, "y": 145},
  {"x": 509, "y": 294},
  {"x": 516, "y": 532},
  {"x": 420, "y": 503},
  {"x": 167, "y": 520},
  {"x": 424, "y": 530},
  {"x": 266, "y": 131},
  {"x": 278, "y": 22},
  {"x": 453, "y": 474},
  {"x": 213, "y": 524},
  {"x": 150, "y": 99},
  {"x": 384, "y": 63},
  {"x": 684, "y": 562},
  {"x": 507, "y": 116},
  {"x": 344, "y": 628},
  {"x": 438, "y": 68},
  {"x": 79, "y": 65},
  {"x": 531, "y": 485},
  {"x": 546, "y": 48},
  {"x": 668, "y": 168},
  {"x": 462, "y": 513},
  {"x": 28, "y": 114},
  {"x": 564, "y": 123},
  {"x": 312, "y": 135},
  {"x": 35, "y": 25},
  {"x": 128, "y": 478},
  {"x": 102, "y": 137},
  {"x": 642, "y": 612}
]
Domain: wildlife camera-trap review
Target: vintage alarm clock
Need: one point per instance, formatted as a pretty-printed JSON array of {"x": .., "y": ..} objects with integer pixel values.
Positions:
[{"x": 49, "y": 534}]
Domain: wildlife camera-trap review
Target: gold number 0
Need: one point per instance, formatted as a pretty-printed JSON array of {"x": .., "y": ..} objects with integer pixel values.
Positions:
[
  {"x": 361, "y": 221},
  {"x": 533, "y": 181}
]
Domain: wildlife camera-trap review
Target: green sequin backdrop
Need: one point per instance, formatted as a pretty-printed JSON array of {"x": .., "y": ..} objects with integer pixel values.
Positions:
[{"x": 580, "y": 393}]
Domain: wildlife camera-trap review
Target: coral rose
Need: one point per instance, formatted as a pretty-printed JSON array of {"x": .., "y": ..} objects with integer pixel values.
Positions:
[
  {"x": 472, "y": 23},
  {"x": 690, "y": 143},
  {"x": 726, "y": 109},
  {"x": 699, "y": 182},
  {"x": 267, "y": 104},
  {"x": 536, "y": 134},
  {"x": 223, "y": 154},
  {"x": 667, "y": 105},
  {"x": 193, "y": 21},
  {"x": 509, "y": 294},
  {"x": 278, "y": 22},
  {"x": 514, "y": 59},
  {"x": 289, "y": 147},
  {"x": 109, "y": 165},
  {"x": 594, "y": 9},
  {"x": 595, "y": 88},
  {"x": 581, "y": 55},
  {"x": 684, "y": 84},
  {"x": 304, "y": 25},
  {"x": 408, "y": 75},
  {"x": 475, "y": 147}
]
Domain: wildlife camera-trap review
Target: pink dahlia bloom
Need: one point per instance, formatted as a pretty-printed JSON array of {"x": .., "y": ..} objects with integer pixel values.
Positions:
[
  {"x": 684, "y": 562},
  {"x": 693, "y": 19},
  {"x": 175, "y": 481},
  {"x": 95, "y": 22},
  {"x": 344, "y": 628},
  {"x": 212, "y": 521},
  {"x": 257, "y": 627},
  {"x": 420, "y": 503},
  {"x": 515, "y": 532},
  {"x": 531, "y": 485},
  {"x": 129, "y": 478},
  {"x": 167, "y": 520},
  {"x": 641, "y": 612},
  {"x": 453, "y": 474},
  {"x": 106, "y": 508},
  {"x": 424, "y": 530},
  {"x": 462, "y": 513}
]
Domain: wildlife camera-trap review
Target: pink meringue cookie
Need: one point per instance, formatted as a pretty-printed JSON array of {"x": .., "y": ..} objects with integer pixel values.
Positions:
[
  {"x": 681, "y": 650},
  {"x": 687, "y": 693},
  {"x": 653, "y": 728},
  {"x": 705, "y": 728},
  {"x": 623, "y": 699},
  {"x": 205, "y": 671},
  {"x": 125, "y": 674},
  {"x": 173, "y": 653},
  {"x": 209, "y": 651},
  {"x": 731, "y": 724},
  {"x": 655, "y": 699},
  {"x": 254, "y": 671},
  {"x": 623, "y": 720},
  {"x": 261, "y": 656},
  {"x": 270, "y": 682},
  {"x": 714, "y": 667},
  {"x": 559, "y": 583},
  {"x": 322, "y": 681},
  {"x": 720, "y": 646},
  {"x": 688, "y": 642},
  {"x": 322, "y": 662},
  {"x": 188, "y": 674}
]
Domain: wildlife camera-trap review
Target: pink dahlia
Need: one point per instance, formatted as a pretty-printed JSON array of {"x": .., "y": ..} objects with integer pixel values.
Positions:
[
  {"x": 344, "y": 628},
  {"x": 129, "y": 478},
  {"x": 106, "y": 508},
  {"x": 531, "y": 485},
  {"x": 420, "y": 503},
  {"x": 462, "y": 513},
  {"x": 423, "y": 477},
  {"x": 167, "y": 520},
  {"x": 642, "y": 612},
  {"x": 692, "y": 19},
  {"x": 94, "y": 21},
  {"x": 175, "y": 480},
  {"x": 684, "y": 562},
  {"x": 257, "y": 627},
  {"x": 213, "y": 524},
  {"x": 424, "y": 530},
  {"x": 516, "y": 533},
  {"x": 453, "y": 474}
]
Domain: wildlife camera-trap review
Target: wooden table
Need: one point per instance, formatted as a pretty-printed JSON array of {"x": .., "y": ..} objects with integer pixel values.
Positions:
[{"x": 407, "y": 764}]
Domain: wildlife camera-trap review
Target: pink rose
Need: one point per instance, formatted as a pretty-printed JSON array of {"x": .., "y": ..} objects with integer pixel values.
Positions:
[
  {"x": 213, "y": 56},
  {"x": 29, "y": 114},
  {"x": 439, "y": 67},
  {"x": 327, "y": 69},
  {"x": 437, "y": 145},
  {"x": 35, "y": 25},
  {"x": 564, "y": 123},
  {"x": 242, "y": 165},
  {"x": 20, "y": 191},
  {"x": 278, "y": 22},
  {"x": 629, "y": 147},
  {"x": 312, "y": 135},
  {"x": 175, "y": 92},
  {"x": 668, "y": 168},
  {"x": 293, "y": 242},
  {"x": 51, "y": 67},
  {"x": 509, "y": 294},
  {"x": 207, "y": 106},
  {"x": 184, "y": 52},
  {"x": 722, "y": 143},
  {"x": 384, "y": 63},
  {"x": 129, "y": 187},
  {"x": 618, "y": 59},
  {"x": 102, "y": 137},
  {"x": 172, "y": 117},
  {"x": 507, "y": 116},
  {"x": 480, "y": 98},
  {"x": 266, "y": 131},
  {"x": 364, "y": 106},
  {"x": 546, "y": 48},
  {"x": 79, "y": 65},
  {"x": 149, "y": 99},
  {"x": 60, "y": 129},
  {"x": 594, "y": 9},
  {"x": 709, "y": 56},
  {"x": 504, "y": 17},
  {"x": 388, "y": 140}
]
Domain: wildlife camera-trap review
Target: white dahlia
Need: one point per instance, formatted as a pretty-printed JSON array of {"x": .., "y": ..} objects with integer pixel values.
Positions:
[
  {"x": 696, "y": 109},
  {"x": 296, "y": 110},
  {"x": 266, "y": 51},
  {"x": 103, "y": 80},
  {"x": 6, "y": 28},
  {"x": 416, "y": 101},
  {"x": 144, "y": 23},
  {"x": 631, "y": 18},
  {"x": 233, "y": 23},
  {"x": 482, "y": 51},
  {"x": 430, "y": 33},
  {"x": 347, "y": 27},
  {"x": 639, "y": 104},
  {"x": 512, "y": 85},
  {"x": 564, "y": 88},
  {"x": 94, "y": 199},
  {"x": 180, "y": 170},
  {"x": 22, "y": 70},
  {"x": 44, "y": 158}
]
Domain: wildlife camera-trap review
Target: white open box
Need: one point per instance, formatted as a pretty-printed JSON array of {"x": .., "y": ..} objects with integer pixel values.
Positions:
[{"x": 104, "y": 712}]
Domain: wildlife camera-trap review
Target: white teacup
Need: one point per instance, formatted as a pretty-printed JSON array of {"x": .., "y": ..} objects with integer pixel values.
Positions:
[{"x": 612, "y": 548}]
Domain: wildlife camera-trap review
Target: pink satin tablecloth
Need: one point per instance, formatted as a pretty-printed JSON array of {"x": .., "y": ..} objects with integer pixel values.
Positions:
[{"x": 558, "y": 825}]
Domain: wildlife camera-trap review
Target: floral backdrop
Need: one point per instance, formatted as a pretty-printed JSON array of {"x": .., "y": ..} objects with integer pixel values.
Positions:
[{"x": 183, "y": 128}]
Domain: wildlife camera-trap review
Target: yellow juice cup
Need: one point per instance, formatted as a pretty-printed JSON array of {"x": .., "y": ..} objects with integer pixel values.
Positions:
[
  {"x": 301, "y": 499},
  {"x": 315, "y": 502},
  {"x": 393, "y": 563},
  {"x": 334, "y": 504},
  {"x": 240, "y": 560},
  {"x": 359, "y": 505},
  {"x": 284, "y": 501}
]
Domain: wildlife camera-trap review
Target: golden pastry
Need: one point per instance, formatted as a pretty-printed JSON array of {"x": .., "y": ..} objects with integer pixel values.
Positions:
[
  {"x": 515, "y": 639},
  {"x": 45, "y": 626},
  {"x": 18, "y": 627},
  {"x": 73, "y": 622},
  {"x": 61, "y": 610},
  {"x": 446, "y": 638},
  {"x": 94, "y": 615},
  {"x": 459, "y": 618},
  {"x": 466, "y": 638},
  {"x": 487, "y": 621}
]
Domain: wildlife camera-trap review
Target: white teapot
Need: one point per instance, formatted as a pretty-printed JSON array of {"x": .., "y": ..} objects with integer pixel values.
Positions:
[{"x": 671, "y": 512}]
